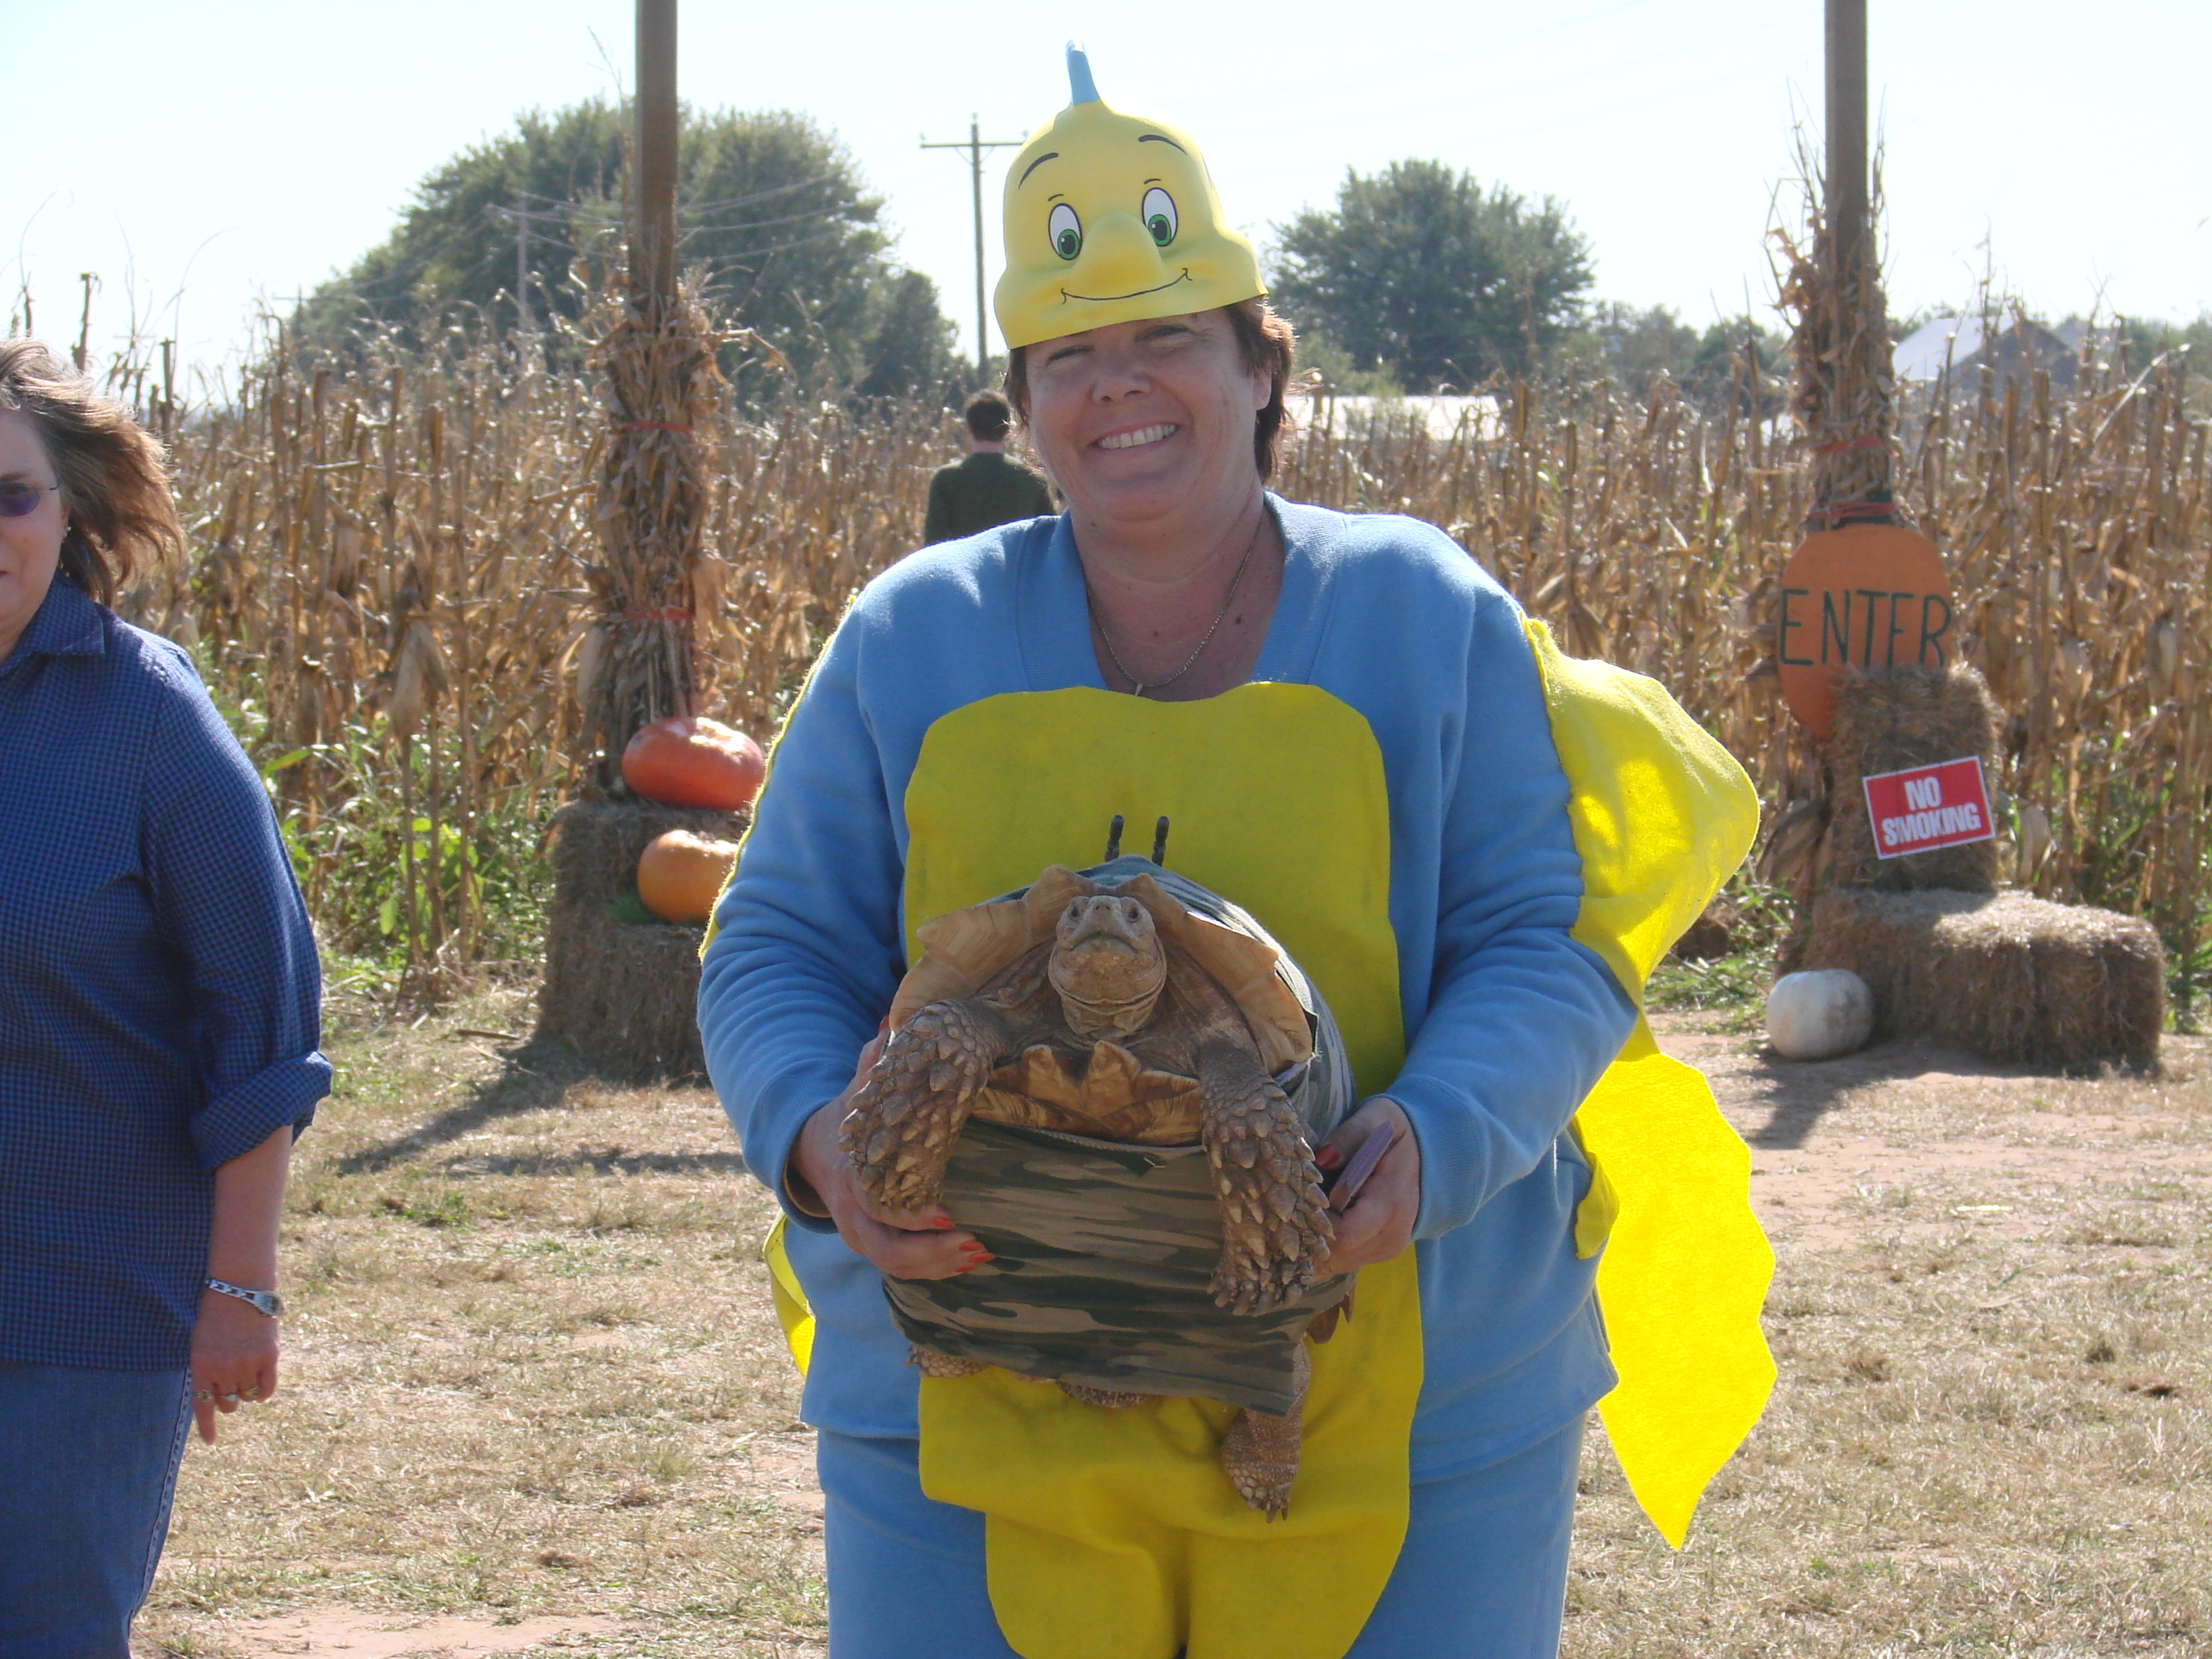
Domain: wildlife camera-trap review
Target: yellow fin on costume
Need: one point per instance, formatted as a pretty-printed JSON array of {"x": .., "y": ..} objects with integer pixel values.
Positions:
[
  {"x": 1662, "y": 815},
  {"x": 785, "y": 1291},
  {"x": 1112, "y": 218}
]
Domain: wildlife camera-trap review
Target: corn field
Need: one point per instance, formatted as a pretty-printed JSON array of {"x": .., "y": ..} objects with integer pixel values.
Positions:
[{"x": 394, "y": 570}]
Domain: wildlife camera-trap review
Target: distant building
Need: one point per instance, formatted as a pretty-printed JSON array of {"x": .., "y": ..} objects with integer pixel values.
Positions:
[
  {"x": 1959, "y": 346},
  {"x": 1443, "y": 417}
]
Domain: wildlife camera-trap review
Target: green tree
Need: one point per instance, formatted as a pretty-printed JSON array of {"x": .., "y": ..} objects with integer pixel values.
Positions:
[
  {"x": 770, "y": 204},
  {"x": 1717, "y": 374},
  {"x": 1418, "y": 269},
  {"x": 1633, "y": 347}
]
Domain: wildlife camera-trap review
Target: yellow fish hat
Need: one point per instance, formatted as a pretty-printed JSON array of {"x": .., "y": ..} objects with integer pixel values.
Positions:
[{"x": 1112, "y": 218}]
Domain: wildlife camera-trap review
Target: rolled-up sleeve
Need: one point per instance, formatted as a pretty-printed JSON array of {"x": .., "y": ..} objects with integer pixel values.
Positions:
[{"x": 230, "y": 914}]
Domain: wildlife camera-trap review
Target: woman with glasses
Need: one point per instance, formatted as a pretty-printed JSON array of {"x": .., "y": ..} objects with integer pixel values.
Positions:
[{"x": 159, "y": 996}]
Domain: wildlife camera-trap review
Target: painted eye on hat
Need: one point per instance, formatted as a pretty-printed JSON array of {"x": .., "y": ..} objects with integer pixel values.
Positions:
[
  {"x": 1159, "y": 215},
  {"x": 1066, "y": 231}
]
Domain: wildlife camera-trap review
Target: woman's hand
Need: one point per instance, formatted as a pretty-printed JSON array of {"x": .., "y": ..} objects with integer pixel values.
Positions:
[
  {"x": 1378, "y": 1223},
  {"x": 233, "y": 1358},
  {"x": 904, "y": 1243},
  {"x": 234, "y": 1351}
]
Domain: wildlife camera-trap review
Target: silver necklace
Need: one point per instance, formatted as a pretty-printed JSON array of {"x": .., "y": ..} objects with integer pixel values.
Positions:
[{"x": 1137, "y": 687}]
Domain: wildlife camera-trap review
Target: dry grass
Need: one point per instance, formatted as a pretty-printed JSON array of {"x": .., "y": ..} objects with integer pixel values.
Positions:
[
  {"x": 530, "y": 1368},
  {"x": 532, "y": 1372}
]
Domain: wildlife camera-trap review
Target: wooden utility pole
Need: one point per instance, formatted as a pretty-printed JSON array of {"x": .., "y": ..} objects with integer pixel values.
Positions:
[
  {"x": 975, "y": 145},
  {"x": 1841, "y": 341},
  {"x": 526, "y": 320},
  {"x": 523, "y": 320},
  {"x": 1847, "y": 138},
  {"x": 652, "y": 257}
]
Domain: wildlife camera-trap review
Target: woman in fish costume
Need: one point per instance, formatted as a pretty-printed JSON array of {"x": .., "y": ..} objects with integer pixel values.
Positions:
[{"x": 1476, "y": 848}]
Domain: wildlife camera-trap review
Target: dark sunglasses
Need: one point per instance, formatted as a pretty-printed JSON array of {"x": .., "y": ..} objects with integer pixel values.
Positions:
[{"x": 18, "y": 500}]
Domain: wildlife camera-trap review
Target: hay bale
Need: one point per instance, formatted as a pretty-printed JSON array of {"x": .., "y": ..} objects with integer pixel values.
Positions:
[
  {"x": 2010, "y": 977},
  {"x": 1711, "y": 936},
  {"x": 1886, "y": 722},
  {"x": 621, "y": 992}
]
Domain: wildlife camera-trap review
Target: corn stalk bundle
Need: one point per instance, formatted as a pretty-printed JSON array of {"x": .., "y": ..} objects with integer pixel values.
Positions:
[
  {"x": 1842, "y": 389},
  {"x": 660, "y": 388}
]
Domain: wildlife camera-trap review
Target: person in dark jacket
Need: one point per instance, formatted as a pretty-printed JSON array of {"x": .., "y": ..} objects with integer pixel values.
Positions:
[
  {"x": 159, "y": 997},
  {"x": 985, "y": 489}
]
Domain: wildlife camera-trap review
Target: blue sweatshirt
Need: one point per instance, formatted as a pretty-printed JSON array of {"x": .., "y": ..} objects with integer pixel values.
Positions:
[{"x": 1509, "y": 1021}]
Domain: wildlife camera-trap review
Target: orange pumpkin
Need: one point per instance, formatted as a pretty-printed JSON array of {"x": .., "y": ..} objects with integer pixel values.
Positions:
[
  {"x": 680, "y": 875},
  {"x": 683, "y": 762}
]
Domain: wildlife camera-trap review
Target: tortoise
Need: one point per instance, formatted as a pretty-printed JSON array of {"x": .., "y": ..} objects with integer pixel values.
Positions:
[{"x": 1104, "y": 1008}]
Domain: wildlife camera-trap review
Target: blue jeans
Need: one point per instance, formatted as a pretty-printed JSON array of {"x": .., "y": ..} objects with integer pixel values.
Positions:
[
  {"x": 1483, "y": 1574},
  {"x": 88, "y": 1467}
]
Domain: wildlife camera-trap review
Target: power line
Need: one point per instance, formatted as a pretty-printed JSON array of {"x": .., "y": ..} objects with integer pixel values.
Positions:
[
  {"x": 976, "y": 146},
  {"x": 702, "y": 207}
]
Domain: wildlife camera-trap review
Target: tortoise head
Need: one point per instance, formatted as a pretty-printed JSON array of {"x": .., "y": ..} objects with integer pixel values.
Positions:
[{"x": 1108, "y": 965}]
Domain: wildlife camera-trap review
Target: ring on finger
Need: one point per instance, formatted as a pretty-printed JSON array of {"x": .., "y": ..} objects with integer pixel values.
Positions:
[
  {"x": 233, "y": 1398},
  {"x": 203, "y": 1395},
  {"x": 253, "y": 1392}
]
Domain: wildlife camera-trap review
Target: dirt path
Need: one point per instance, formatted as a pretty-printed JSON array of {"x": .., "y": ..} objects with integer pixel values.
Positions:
[{"x": 1928, "y": 1137}]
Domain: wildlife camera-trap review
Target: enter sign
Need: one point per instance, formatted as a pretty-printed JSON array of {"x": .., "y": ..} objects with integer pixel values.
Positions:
[{"x": 1865, "y": 597}]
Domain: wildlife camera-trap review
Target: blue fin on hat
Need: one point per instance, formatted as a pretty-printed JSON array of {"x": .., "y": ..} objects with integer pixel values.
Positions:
[{"x": 1081, "y": 89}]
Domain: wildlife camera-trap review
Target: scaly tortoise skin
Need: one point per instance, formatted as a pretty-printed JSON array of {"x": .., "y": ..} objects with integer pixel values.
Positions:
[{"x": 1118, "y": 1026}]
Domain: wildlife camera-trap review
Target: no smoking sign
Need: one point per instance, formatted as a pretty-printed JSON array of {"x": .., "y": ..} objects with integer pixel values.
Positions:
[{"x": 1925, "y": 807}]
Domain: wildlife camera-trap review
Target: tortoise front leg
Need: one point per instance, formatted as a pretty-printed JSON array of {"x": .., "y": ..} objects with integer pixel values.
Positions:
[
  {"x": 1274, "y": 1221},
  {"x": 899, "y": 1133}
]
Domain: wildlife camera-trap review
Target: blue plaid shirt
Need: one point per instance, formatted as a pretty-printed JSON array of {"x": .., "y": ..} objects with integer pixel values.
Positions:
[{"x": 159, "y": 987}]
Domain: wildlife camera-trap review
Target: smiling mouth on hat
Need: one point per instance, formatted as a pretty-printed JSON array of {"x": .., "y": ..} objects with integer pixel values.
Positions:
[{"x": 1134, "y": 293}]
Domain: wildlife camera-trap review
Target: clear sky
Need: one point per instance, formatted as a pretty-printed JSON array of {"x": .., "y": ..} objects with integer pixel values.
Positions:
[{"x": 198, "y": 153}]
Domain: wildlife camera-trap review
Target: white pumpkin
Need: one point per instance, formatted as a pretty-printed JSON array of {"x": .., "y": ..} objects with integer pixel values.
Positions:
[{"x": 1818, "y": 1015}]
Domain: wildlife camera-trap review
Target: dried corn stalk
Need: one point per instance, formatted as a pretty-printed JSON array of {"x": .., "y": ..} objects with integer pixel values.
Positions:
[
  {"x": 661, "y": 389},
  {"x": 1841, "y": 390},
  {"x": 327, "y": 523}
]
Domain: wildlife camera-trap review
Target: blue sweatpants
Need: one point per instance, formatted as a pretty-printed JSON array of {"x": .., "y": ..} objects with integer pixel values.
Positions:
[
  {"x": 1482, "y": 1575},
  {"x": 87, "y": 1466}
]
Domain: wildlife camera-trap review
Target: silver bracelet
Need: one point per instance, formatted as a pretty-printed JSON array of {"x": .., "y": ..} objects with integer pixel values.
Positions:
[{"x": 266, "y": 1301}]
